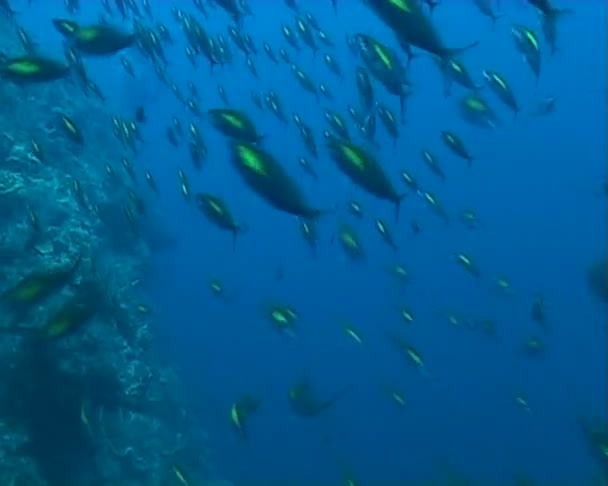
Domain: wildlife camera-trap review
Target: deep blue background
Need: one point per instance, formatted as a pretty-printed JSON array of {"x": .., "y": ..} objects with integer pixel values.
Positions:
[{"x": 535, "y": 185}]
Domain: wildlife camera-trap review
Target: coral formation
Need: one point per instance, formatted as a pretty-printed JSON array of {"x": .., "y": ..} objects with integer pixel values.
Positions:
[{"x": 90, "y": 404}]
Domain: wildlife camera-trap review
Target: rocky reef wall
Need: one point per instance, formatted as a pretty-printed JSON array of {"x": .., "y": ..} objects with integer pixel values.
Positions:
[{"x": 90, "y": 404}]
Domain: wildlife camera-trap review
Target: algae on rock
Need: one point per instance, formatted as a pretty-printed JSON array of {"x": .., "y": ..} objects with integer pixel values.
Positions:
[{"x": 92, "y": 405}]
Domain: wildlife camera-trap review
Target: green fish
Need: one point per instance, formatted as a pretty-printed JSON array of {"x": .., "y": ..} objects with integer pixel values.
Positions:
[
  {"x": 100, "y": 39},
  {"x": 269, "y": 180},
  {"x": 240, "y": 411},
  {"x": 216, "y": 211},
  {"x": 350, "y": 242},
  {"x": 363, "y": 170},
  {"x": 70, "y": 317},
  {"x": 39, "y": 285},
  {"x": 32, "y": 69},
  {"x": 65, "y": 27},
  {"x": 474, "y": 109},
  {"x": 457, "y": 146},
  {"x": 234, "y": 124},
  {"x": 412, "y": 26}
]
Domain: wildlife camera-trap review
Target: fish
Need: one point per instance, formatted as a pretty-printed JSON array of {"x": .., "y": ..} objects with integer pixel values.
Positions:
[
  {"x": 485, "y": 8},
  {"x": 71, "y": 317},
  {"x": 412, "y": 26},
  {"x": 265, "y": 176},
  {"x": 216, "y": 211},
  {"x": 240, "y": 412},
  {"x": 597, "y": 280},
  {"x": 95, "y": 39},
  {"x": 364, "y": 171},
  {"x": 456, "y": 145},
  {"x": 454, "y": 71},
  {"x": 474, "y": 109},
  {"x": 304, "y": 400},
  {"x": 33, "y": 69},
  {"x": 38, "y": 285},
  {"x": 526, "y": 42},
  {"x": 351, "y": 242},
  {"x": 234, "y": 124},
  {"x": 499, "y": 85},
  {"x": 544, "y": 106},
  {"x": 385, "y": 233}
]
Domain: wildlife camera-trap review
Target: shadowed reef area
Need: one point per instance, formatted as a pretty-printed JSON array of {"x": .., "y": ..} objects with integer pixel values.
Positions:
[{"x": 84, "y": 396}]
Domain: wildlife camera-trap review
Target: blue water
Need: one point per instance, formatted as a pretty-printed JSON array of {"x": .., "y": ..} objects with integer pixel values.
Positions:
[{"x": 534, "y": 184}]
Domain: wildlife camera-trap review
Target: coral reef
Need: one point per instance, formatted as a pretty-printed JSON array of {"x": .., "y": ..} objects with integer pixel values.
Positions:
[{"x": 93, "y": 406}]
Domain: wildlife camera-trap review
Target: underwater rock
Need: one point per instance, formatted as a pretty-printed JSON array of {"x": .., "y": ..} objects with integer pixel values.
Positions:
[
  {"x": 86, "y": 404},
  {"x": 12, "y": 198}
]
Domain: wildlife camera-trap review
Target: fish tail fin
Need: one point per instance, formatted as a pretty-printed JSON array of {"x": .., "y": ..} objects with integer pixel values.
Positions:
[
  {"x": 398, "y": 206},
  {"x": 236, "y": 231},
  {"x": 447, "y": 85},
  {"x": 337, "y": 396},
  {"x": 432, "y": 6},
  {"x": 235, "y": 234},
  {"x": 450, "y": 52},
  {"x": 316, "y": 214},
  {"x": 558, "y": 13},
  {"x": 410, "y": 55}
]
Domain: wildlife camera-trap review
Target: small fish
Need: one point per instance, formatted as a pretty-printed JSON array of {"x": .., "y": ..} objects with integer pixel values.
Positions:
[
  {"x": 234, "y": 124},
  {"x": 385, "y": 234},
  {"x": 353, "y": 334},
  {"x": 283, "y": 318},
  {"x": 70, "y": 317},
  {"x": 350, "y": 242},
  {"x": 526, "y": 42},
  {"x": 544, "y": 107},
  {"x": 456, "y": 145},
  {"x": 216, "y": 211},
  {"x": 485, "y": 8},
  {"x": 240, "y": 412},
  {"x": 305, "y": 401},
  {"x": 468, "y": 264},
  {"x": 140, "y": 115},
  {"x": 432, "y": 163},
  {"x": 538, "y": 311},
  {"x": 498, "y": 84},
  {"x": 180, "y": 475}
]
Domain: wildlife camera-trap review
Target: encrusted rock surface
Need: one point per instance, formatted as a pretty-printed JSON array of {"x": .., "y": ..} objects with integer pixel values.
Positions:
[{"x": 94, "y": 407}]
